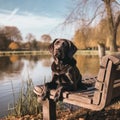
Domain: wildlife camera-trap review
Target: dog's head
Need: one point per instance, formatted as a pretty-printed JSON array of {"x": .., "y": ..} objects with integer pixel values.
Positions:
[{"x": 62, "y": 49}]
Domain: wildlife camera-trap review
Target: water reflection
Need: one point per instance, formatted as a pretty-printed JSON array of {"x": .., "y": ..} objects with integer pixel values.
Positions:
[
  {"x": 88, "y": 65},
  {"x": 16, "y": 69}
]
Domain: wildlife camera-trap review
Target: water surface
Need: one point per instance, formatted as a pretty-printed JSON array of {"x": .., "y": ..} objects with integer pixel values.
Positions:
[{"x": 15, "y": 70}]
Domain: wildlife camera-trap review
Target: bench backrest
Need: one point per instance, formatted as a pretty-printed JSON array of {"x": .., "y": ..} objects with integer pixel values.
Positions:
[{"x": 107, "y": 80}]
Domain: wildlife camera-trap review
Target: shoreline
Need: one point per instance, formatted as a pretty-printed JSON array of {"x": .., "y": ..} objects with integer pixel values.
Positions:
[{"x": 46, "y": 52}]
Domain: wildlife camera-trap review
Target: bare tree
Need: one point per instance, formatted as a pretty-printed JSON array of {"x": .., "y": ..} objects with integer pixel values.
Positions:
[
  {"x": 92, "y": 11},
  {"x": 46, "y": 38},
  {"x": 30, "y": 37}
]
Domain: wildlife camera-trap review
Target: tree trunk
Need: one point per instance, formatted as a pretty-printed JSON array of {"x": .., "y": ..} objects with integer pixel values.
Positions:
[{"x": 112, "y": 30}]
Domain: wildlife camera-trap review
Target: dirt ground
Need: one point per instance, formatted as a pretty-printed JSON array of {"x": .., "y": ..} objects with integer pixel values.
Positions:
[{"x": 111, "y": 112}]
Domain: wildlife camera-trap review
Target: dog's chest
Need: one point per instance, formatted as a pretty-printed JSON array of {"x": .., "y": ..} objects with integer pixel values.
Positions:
[{"x": 60, "y": 68}]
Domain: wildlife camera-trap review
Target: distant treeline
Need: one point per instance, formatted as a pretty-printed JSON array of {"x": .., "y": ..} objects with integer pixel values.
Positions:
[
  {"x": 84, "y": 38},
  {"x": 90, "y": 37},
  {"x": 11, "y": 39}
]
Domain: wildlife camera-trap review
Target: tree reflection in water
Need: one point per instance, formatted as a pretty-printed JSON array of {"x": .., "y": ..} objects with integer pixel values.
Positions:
[
  {"x": 16, "y": 69},
  {"x": 88, "y": 65}
]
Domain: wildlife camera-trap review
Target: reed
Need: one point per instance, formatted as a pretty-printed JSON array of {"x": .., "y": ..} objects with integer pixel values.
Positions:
[{"x": 26, "y": 103}]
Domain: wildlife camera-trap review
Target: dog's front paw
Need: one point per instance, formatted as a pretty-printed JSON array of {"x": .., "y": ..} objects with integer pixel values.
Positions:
[
  {"x": 58, "y": 95},
  {"x": 45, "y": 93},
  {"x": 38, "y": 90},
  {"x": 41, "y": 92}
]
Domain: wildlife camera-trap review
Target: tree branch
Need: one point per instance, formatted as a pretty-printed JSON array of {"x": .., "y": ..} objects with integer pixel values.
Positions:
[
  {"x": 96, "y": 14},
  {"x": 117, "y": 2},
  {"x": 117, "y": 22}
]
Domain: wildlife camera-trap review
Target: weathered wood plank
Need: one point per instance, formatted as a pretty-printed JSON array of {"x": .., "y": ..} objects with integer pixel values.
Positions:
[
  {"x": 97, "y": 97},
  {"x": 99, "y": 85},
  {"x": 104, "y": 62},
  {"x": 89, "y": 80},
  {"x": 114, "y": 59},
  {"x": 80, "y": 98},
  {"x": 85, "y": 94},
  {"x": 108, "y": 87},
  {"x": 117, "y": 81},
  {"x": 49, "y": 110},
  {"x": 101, "y": 74},
  {"x": 75, "y": 95}
]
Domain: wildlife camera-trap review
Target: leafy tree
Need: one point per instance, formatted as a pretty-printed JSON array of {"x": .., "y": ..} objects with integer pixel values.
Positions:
[
  {"x": 34, "y": 44},
  {"x": 118, "y": 37},
  {"x": 94, "y": 10},
  {"x": 42, "y": 45},
  {"x": 27, "y": 46},
  {"x": 7, "y": 35},
  {"x": 4, "y": 42},
  {"x": 80, "y": 39},
  {"x": 11, "y": 33},
  {"x": 89, "y": 37},
  {"x": 14, "y": 46}
]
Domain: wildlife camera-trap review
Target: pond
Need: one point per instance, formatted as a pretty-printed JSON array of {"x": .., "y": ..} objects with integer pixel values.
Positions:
[{"x": 14, "y": 70}]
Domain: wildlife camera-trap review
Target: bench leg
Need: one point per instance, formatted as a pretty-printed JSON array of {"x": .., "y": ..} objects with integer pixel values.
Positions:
[{"x": 49, "y": 110}]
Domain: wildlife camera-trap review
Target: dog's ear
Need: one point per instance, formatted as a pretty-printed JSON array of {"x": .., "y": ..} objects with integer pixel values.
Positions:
[
  {"x": 72, "y": 49},
  {"x": 51, "y": 46}
]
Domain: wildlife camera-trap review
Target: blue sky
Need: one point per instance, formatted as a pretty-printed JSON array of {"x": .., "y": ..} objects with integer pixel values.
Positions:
[{"x": 37, "y": 16}]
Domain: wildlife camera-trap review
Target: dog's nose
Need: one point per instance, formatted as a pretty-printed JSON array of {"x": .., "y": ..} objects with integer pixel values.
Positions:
[{"x": 58, "y": 49}]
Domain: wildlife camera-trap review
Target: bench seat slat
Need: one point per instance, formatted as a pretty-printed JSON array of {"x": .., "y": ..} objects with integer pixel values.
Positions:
[
  {"x": 85, "y": 94},
  {"x": 117, "y": 81},
  {"x": 80, "y": 98}
]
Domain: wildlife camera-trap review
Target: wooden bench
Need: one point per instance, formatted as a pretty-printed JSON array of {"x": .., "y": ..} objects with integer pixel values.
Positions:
[{"x": 106, "y": 87}]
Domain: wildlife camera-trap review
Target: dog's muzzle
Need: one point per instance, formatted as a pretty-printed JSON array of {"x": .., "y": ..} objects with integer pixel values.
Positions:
[{"x": 59, "y": 54}]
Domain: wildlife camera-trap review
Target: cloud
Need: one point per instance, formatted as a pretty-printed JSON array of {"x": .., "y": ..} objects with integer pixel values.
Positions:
[
  {"x": 13, "y": 13},
  {"x": 5, "y": 11},
  {"x": 29, "y": 23}
]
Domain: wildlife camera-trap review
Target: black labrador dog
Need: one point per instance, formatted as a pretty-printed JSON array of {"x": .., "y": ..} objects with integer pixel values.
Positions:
[{"x": 65, "y": 74}]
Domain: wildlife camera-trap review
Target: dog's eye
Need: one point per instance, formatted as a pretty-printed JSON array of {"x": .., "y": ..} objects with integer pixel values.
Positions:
[
  {"x": 63, "y": 44},
  {"x": 57, "y": 42}
]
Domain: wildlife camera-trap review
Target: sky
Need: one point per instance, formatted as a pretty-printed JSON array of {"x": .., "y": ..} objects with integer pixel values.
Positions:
[{"x": 37, "y": 17}]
